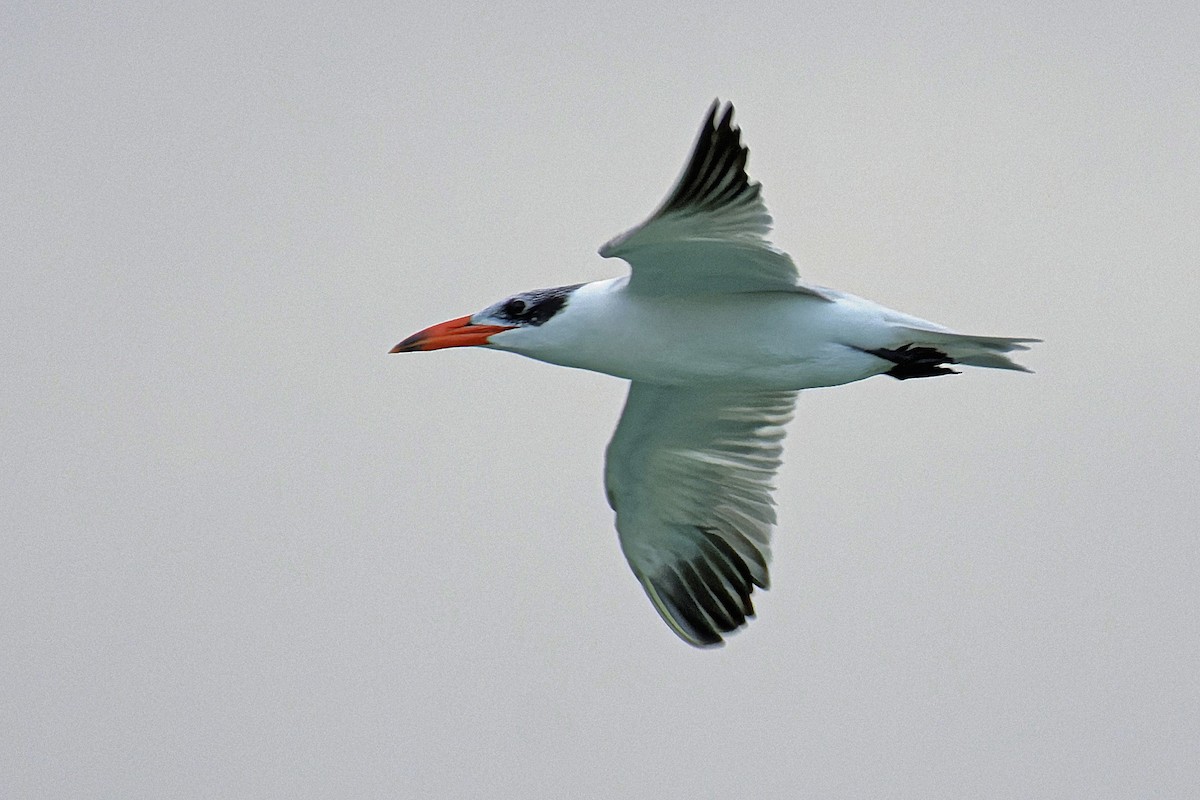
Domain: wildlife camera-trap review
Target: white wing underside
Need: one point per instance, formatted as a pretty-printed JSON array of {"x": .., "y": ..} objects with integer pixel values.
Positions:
[
  {"x": 710, "y": 233},
  {"x": 689, "y": 474}
]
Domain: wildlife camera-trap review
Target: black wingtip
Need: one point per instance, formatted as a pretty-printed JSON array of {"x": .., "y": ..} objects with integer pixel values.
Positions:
[
  {"x": 707, "y": 594},
  {"x": 711, "y": 116},
  {"x": 715, "y": 172},
  {"x": 693, "y": 624},
  {"x": 719, "y": 117},
  {"x": 727, "y": 119}
]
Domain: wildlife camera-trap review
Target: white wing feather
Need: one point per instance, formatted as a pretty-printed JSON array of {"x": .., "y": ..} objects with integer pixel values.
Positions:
[{"x": 689, "y": 474}]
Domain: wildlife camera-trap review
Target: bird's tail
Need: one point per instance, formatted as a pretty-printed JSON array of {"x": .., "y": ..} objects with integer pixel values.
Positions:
[{"x": 975, "y": 351}]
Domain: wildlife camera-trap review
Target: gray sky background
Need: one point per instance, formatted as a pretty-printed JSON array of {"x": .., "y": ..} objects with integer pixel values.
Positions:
[{"x": 246, "y": 553}]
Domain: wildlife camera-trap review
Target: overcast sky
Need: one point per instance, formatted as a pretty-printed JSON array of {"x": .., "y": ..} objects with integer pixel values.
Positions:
[{"x": 247, "y": 553}]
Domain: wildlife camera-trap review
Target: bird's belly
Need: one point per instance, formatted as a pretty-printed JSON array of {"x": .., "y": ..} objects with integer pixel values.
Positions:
[{"x": 830, "y": 365}]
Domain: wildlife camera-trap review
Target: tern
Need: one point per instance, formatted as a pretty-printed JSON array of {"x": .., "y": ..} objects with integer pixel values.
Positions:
[{"x": 716, "y": 333}]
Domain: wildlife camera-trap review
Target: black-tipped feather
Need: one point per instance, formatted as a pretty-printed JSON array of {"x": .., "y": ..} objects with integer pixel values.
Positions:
[
  {"x": 716, "y": 172},
  {"x": 746, "y": 550},
  {"x": 737, "y": 579},
  {"x": 693, "y": 172},
  {"x": 705, "y": 598},
  {"x": 720, "y": 590},
  {"x": 683, "y": 609},
  {"x": 731, "y": 556}
]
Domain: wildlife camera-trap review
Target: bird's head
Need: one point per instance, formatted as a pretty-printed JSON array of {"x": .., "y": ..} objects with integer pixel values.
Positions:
[{"x": 524, "y": 311}]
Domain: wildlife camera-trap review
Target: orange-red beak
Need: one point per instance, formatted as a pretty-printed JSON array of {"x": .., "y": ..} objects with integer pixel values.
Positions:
[{"x": 452, "y": 333}]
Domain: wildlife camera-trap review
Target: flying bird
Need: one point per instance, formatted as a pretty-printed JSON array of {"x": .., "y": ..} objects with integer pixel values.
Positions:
[{"x": 716, "y": 333}]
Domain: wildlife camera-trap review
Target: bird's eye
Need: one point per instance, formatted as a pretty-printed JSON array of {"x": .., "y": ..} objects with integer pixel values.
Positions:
[{"x": 514, "y": 307}]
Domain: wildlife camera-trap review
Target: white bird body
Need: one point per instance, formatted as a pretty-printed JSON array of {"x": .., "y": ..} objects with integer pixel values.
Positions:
[
  {"x": 750, "y": 340},
  {"x": 716, "y": 332}
]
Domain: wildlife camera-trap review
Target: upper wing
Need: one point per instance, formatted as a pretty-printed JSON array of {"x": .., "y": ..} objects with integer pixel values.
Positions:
[
  {"x": 710, "y": 234},
  {"x": 689, "y": 474}
]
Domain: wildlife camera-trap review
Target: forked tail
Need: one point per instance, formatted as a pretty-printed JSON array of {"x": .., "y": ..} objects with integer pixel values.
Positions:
[{"x": 929, "y": 352}]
